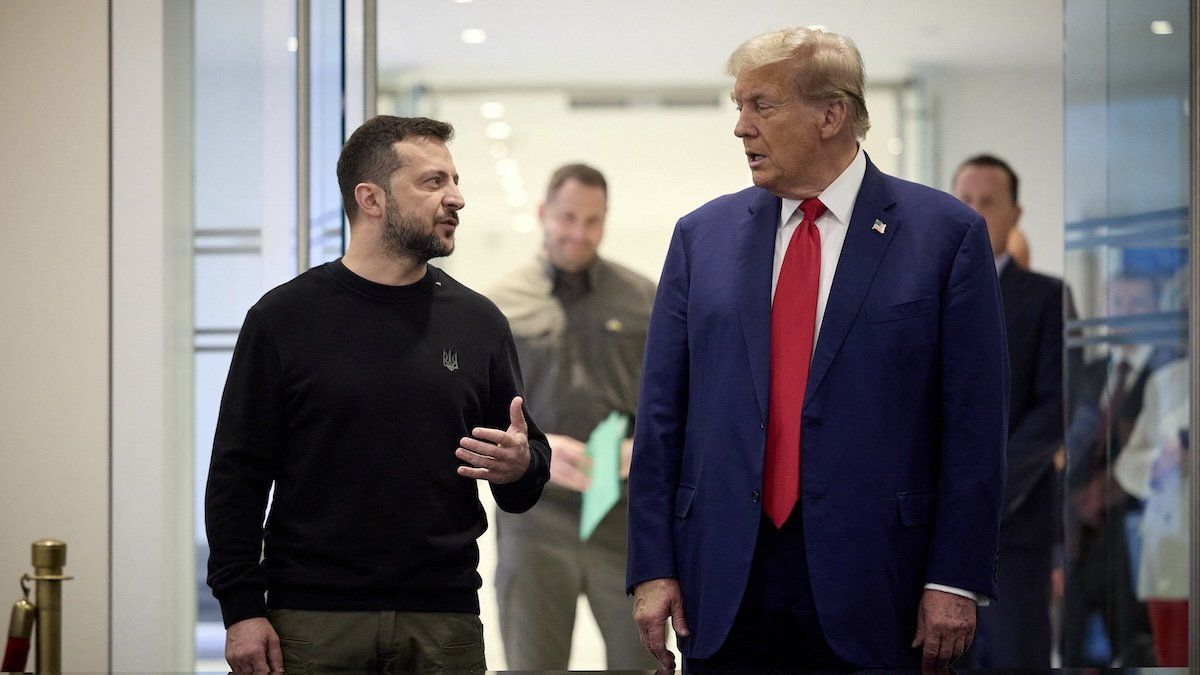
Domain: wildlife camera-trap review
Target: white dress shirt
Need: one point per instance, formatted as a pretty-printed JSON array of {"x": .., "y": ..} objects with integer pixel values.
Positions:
[
  {"x": 839, "y": 199},
  {"x": 1002, "y": 261}
]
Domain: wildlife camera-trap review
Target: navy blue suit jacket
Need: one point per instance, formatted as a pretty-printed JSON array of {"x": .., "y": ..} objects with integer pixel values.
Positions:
[
  {"x": 904, "y": 418},
  {"x": 1033, "y": 314}
]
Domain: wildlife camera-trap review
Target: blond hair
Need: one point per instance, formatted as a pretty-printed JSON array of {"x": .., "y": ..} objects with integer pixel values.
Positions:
[{"x": 828, "y": 67}]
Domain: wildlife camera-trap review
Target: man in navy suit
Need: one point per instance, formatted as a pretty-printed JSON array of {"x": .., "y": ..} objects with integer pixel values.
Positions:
[
  {"x": 818, "y": 463},
  {"x": 1015, "y": 633}
]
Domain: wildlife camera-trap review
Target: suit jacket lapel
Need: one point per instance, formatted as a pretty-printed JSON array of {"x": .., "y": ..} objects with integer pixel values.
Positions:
[
  {"x": 861, "y": 253},
  {"x": 755, "y": 259},
  {"x": 1010, "y": 298}
]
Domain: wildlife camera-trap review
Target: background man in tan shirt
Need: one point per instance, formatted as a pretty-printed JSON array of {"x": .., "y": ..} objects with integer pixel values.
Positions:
[{"x": 579, "y": 323}]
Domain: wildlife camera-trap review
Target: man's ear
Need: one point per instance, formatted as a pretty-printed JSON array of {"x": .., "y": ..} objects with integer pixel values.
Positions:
[
  {"x": 370, "y": 199},
  {"x": 837, "y": 116}
]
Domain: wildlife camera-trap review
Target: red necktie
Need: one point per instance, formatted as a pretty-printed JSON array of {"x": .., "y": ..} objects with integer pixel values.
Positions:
[{"x": 793, "y": 322}]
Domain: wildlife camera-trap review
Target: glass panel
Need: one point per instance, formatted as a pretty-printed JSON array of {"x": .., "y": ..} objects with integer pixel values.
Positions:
[
  {"x": 325, "y": 132},
  {"x": 1126, "y": 487},
  {"x": 245, "y": 92},
  {"x": 245, "y": 200}
]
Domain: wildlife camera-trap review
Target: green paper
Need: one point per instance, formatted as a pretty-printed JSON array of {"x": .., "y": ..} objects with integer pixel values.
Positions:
[{"x": 604, "y": 449}]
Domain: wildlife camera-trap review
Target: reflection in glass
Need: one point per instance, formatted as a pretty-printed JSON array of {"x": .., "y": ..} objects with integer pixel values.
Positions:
[{"x": 1126, "y": 494}]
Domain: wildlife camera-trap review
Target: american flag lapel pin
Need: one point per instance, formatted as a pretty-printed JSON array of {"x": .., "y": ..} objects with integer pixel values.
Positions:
[{"x": 879, "y": 226}]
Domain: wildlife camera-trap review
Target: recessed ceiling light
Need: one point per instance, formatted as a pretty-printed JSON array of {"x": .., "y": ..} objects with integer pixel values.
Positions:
[
  {"x": 508, "y": 167},
  {"x": 524, "y": 222},
  {"x": 492, "y": 110},
  {"x": 498, "y": 131},
  {"x": 513, "y": 183},
  {"x": 463, "y": 2},
  {"x": 474, "y": 36},
  {"x": 817, "y": 26},
  {"x": 1162, "y": 27}
]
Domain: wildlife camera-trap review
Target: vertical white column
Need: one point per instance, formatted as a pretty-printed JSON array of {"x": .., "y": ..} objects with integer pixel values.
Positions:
[{"x": 153, "y": 579}]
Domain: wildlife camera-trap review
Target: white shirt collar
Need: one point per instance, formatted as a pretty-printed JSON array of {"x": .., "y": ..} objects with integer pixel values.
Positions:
[
  {"x": 1136, "y": 355},
  {"x": 841, "y": 194},
  {"x": 1002, "y": 261}
]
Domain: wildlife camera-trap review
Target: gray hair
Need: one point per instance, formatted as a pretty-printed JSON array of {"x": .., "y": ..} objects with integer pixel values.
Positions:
[{"x": 829, "y": 67}]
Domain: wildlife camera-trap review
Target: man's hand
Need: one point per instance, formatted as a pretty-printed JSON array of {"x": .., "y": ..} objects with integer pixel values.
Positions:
[
  {"x": 945, "y": 626},
  {"x": 626, "y": 457},
  {"x": 569, "y": 463},
  {"x": 504, "y": 457},
  {"x": 251, "y": 645},
  {"x": 653, "y": 602}
]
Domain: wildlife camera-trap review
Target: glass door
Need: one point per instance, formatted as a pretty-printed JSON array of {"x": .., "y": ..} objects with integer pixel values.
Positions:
[
  {"x": 1129, "y": 468},
  {"x": 269, "y": 121}
]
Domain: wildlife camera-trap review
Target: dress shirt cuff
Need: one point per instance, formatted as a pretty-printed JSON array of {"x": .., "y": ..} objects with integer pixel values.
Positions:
[{"x": 980, "y": 600}]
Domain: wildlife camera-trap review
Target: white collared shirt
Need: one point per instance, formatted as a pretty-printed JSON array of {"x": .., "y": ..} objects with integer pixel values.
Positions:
[
  {"x": 1137, "y": 356},
  {"x": 1002, "y": 261},
  {"x": 839, "y": 199}
]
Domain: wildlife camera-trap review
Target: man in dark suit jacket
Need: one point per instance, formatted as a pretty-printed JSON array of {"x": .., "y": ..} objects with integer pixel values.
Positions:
[
  {"x": 1107, "y": 397},
  {"x": 1015, "y": 632},
  {"x": 817, "y": 477}
]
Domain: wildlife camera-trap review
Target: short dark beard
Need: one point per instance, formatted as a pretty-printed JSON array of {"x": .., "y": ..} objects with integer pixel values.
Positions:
[{"x": 405, "y": 237}]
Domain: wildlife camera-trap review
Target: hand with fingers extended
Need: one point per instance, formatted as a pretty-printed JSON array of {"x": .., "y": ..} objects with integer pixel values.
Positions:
[
  {"x": 945, "y": 628},
  {"x": 251, "y": 645},
  {"x": 570, "y": 466},
  {"x": 653, "y": 602},
  {"x": 497, "y": 456}
]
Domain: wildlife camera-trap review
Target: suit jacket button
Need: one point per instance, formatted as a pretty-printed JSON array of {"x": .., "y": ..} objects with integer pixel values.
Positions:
[{"x": 755, "y": 496}]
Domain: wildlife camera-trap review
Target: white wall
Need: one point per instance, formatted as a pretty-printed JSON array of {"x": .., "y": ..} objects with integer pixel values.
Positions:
[
  {"x": 1016, "y": 115},
  {"x": 54, "y": 304},
  {"x": 660, "y": 163}
]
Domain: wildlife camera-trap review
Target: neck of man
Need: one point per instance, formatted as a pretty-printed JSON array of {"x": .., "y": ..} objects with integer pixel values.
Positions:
[
  {"x": 367, "y": 257},
  {"x": 838, "y": 154}
]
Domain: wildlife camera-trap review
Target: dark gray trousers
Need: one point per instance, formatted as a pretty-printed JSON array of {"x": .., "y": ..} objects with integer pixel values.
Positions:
[
  {"x": 542, "y": 570},
  {"x": 314, "y": 641}
]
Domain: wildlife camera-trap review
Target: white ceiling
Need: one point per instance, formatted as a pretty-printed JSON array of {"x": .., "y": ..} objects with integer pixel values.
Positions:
[{"x": 615, "y": 43}]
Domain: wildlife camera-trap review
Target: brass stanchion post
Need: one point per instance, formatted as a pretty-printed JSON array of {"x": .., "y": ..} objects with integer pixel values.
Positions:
[{"x": 49, "y": 556}]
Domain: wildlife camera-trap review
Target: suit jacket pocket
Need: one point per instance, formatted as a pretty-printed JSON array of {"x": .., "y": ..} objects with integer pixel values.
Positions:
[
  {"x": 903, "y": 310},
  {"x": 916, "y": 508},
  {"x": 683, "y": 500}
]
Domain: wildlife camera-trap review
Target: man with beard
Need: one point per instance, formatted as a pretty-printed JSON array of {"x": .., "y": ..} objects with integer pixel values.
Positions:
[{"x": 371, "y": 392}]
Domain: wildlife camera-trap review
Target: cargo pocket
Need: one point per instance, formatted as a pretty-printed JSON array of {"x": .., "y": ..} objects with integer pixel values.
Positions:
[{"x": 465, "y": 651}]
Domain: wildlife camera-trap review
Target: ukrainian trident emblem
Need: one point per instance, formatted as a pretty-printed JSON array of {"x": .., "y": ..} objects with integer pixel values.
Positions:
[{"x": 450, "y": 360}]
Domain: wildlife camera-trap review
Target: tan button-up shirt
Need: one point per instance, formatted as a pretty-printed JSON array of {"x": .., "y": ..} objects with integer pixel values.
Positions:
[{"x": 580, "y": 340}]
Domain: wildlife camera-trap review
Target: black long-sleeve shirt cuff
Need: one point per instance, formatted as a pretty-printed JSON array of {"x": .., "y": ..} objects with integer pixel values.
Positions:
[
  {"x": 242, "y": 606},
  {"x": 520, "y": 495}
]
